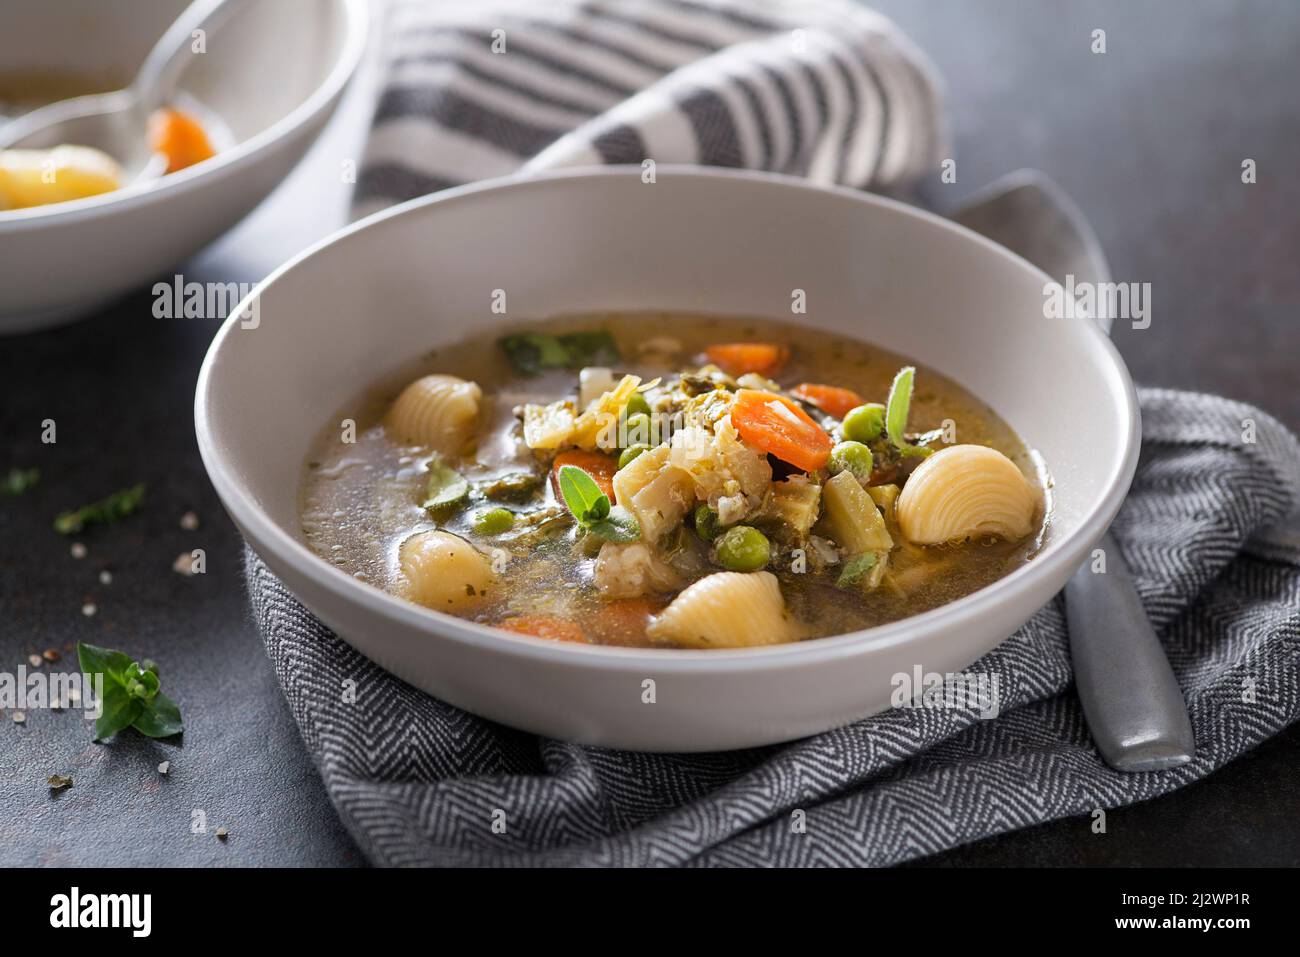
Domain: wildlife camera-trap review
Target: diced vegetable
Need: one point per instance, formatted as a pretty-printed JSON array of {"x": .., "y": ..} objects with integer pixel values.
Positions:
[
  {"x": 776, "y": 425},
  {"x": 896, "y": 409},
  {"x": 830, "y": 399},
  {"x": 657, "y": 492},
  {"x": 622, "y": 621},
  {"x": 792, "y": 507},
  {"x": 630, "y": 570},
  {"x": 493, "y": 521},
  {"x": 593, "y": 382},
  {"x": 545, "y": 626},
  {"x": 513, "y": 486},
  {"x": 855, "y": 569},
  {"x": 599, "y": 466},
  {"x": 180, "y": 138},
  {"x": 549, "y": 426},
  {"x": 884, "y": 496},
  {"x": 446, "y": 489},
  {"x": 738, "y": 358},
  {"x": 852, "y": 457},
  {"x": 530, "y": 352},
  {"x": 864, "y": 423},
  {"x": 855, "y": 523},
  {"x": 597, "y": 426},
  {"x": 743, "y": 549}
]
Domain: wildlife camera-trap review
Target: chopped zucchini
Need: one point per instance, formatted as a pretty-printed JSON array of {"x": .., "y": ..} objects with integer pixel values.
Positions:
[{"x": 854, "y": 522}]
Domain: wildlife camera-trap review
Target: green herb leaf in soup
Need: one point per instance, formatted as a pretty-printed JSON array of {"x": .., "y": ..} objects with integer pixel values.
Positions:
[
  {"x": 446, "y": 489},
  {"x": 618, "y": 527},
  {"x": 112, "y": 509},
  {"x": 531, "y": 352}
]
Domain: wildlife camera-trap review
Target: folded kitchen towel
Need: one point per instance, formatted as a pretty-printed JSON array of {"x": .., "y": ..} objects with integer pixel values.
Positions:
[
  {"x": 416, "y": 781},
  {"x": 825, "y": 89},
  {"x": 834, "y": 93}
]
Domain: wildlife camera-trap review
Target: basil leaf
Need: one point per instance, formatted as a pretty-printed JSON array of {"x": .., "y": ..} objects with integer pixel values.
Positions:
[
  {"x": 119, "y": 711},
  {"x": 581, "y": 494},
  {"x": 855, "y": 569},
  {"x": 103, "y": 661},
  {"x": 897, "y": 406},
  {"x": 531, "y": 352},
  {"x": 160, "y": 718},
  {"x": 142, "y": 684},
  {"x": 594, "y": 348},
  {"x": 620, "y": 527},
  {"x": 446, "y": 488}
]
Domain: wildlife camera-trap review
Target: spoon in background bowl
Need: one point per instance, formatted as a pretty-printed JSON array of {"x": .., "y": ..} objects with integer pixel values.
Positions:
[{"x": 117, "y": 123}]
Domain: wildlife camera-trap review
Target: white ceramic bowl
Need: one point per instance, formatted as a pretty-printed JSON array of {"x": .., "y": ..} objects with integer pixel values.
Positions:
[
  {"x": 273, "y": 75},
  {"x": 363, "y": 303}
]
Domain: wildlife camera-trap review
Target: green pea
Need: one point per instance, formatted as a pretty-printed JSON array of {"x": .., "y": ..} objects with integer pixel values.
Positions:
[
  {"x": 493, "y": 521},
  {"x": 743, "y": 549},
  {"x": 637, "y": 405},
  {"x": 632, "y": 451},
  {"x": 864, "y": 423},
  {"x": 706, "y": 522},
  {"x": 853, "y": 457},
  {"x": 638, "y": 429}
]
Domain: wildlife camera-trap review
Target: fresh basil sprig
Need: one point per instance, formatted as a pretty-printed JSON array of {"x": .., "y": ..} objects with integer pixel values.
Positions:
[
  {"x": 112, "y": 509},
  {"x": 132, "y": 697},
  {"x": 896, "y": 409},
  {"x": 592, "y": 510}
]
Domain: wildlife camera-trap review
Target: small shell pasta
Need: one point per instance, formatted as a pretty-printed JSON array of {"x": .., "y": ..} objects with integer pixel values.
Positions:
[
  {"x": 436, "y": 411},
  {"x": 444, "y": 572},
  {"x": 727, "y": 610},
  {"x": 964, "y": 491}
]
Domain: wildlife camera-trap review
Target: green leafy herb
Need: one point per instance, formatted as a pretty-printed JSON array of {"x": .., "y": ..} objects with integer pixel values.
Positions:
[
  {"x": 897, "y": 406},
  {"x": 591, "y": 508},
  {"x": 855, "y": 569},
  {"x": 132, "y": 695},
  {"x": 446, "y": 488},
  {"x": 530, "y": 352},
  {"x": 106, "y": 512},
  {"x": 19, "y": 481}
]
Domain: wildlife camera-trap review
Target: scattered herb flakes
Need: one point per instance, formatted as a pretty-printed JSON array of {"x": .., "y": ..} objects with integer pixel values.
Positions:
[
  {"x": 132, "y": 697},
  {"x": 59, "y": 782},
  {"x": 112, "y": 509},
  {"x": 18, "y": 481}
]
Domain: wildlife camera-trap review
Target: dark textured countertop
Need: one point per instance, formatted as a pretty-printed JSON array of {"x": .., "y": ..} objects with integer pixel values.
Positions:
[{"x": 1148, "y": 138}]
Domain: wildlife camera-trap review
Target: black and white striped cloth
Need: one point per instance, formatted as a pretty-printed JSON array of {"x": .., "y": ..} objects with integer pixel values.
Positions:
[
  {"x": 416, "y": 781},
  {"x": 825, "y": 89},
  {"x": 1203, "y": 530}
]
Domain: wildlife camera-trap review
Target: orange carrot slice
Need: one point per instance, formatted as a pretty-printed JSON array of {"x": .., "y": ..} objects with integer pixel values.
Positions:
[
  {"x": 772, "y": 423},
  {"x": 738, "y": 358},
  {"x": 600, "y": 467},
  {"x": 179, "y": 137},
  {"x": 831, "y": 399},
  {"x": 623, "y": 621},
  {"x": 545, "y": 626}
]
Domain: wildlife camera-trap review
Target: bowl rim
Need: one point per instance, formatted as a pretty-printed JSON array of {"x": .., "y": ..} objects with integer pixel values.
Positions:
[
  {"x": 356, "y": 26},
  {"x": 1058, "y": 555}
]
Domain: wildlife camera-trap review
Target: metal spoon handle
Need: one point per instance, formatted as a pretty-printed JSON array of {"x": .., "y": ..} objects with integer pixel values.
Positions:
[
  {"x": 1134, "y": 707},
  {"x": 156, "y": 80}
]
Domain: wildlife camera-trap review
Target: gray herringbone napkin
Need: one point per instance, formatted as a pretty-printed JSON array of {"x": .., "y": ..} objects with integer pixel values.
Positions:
[
  {"x": 819, "y": 88},
  {"x": 415, "y": 780},
  {"x": 834, "y": 93}
]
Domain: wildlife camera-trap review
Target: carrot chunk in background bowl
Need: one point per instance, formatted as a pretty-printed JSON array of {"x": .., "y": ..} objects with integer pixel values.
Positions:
[{"x": 739, "y": 358}]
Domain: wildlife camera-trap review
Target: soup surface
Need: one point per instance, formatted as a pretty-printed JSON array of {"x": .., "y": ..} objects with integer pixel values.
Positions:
[{"x": 676, "y": 481}]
